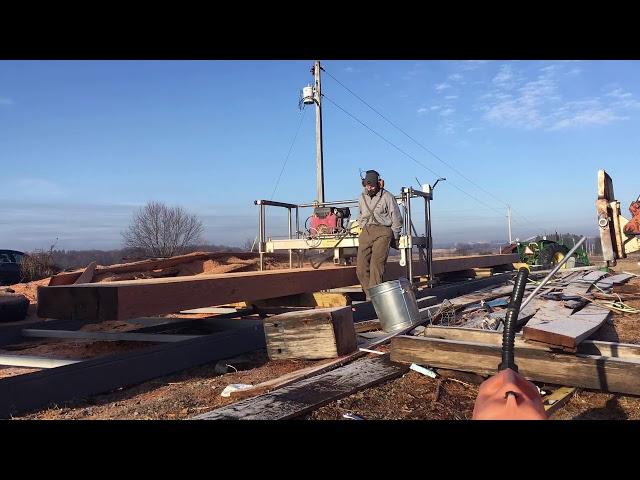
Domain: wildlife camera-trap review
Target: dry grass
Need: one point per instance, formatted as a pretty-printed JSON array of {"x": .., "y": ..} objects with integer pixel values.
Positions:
[{"x": 37, "y": 265}]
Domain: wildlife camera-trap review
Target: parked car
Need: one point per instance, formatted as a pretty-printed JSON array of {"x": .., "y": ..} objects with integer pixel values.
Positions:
[{"x": 10, "y": 266}]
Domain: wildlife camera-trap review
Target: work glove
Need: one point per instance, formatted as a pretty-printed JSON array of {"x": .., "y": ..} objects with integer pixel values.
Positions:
[{"x": 395, "y": 243}]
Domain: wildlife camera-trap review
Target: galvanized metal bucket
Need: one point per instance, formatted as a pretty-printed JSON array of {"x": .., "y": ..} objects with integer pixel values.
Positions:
[{"x": 395, "y": 304}]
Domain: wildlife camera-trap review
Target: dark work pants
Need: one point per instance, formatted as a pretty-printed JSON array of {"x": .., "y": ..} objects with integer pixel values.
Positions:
[{"x": 373, "y": 251}]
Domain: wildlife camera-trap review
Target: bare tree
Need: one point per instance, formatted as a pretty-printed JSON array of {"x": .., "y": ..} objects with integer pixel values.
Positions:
[
  {"x": 249, "y": 244},
  {"x": 161, "y": 231}
]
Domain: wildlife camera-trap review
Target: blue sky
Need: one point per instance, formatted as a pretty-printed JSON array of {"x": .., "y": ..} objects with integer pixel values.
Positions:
[{"x": 85, "y": 143}]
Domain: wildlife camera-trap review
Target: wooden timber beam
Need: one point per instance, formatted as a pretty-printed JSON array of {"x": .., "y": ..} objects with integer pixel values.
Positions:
[
  {"x": 138, "y": 298},
  {"x": 586, "y": 371},
  {"x": 623, "y": 351}
]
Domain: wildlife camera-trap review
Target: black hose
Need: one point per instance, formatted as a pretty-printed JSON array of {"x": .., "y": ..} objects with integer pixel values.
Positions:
[{"x": 510, "y": 322}]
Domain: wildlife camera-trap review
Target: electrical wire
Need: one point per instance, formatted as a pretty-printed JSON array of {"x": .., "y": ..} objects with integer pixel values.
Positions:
[
  {"x": 428, "y": 150},
  {"x": 409, "y": 155},
  {"x": 284, "y": 164}
]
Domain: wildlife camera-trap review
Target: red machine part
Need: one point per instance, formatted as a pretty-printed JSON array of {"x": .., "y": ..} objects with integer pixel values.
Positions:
[
  {"x": 633, "y": 227},
  {"x": 508, "y": 396},
  {"x": 328, "y": 224}
]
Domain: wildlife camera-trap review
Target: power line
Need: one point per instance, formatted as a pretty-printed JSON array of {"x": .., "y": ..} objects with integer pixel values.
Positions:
[
  {"x": 288, "y": 154},
  {"x": 424, "y": 147},
  {"x": 408, "y": 155},
  {"x": 416, "y": 141}
]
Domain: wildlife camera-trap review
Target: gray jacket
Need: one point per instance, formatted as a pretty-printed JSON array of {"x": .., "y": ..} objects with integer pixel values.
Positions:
[{"x": 381, "y": 209}]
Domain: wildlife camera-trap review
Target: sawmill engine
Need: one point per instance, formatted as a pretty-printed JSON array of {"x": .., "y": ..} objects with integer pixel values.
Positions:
[{"x": 328, "y": 220}]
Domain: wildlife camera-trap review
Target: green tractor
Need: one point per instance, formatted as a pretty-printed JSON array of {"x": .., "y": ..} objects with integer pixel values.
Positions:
[{"x": 547, "y": 253}]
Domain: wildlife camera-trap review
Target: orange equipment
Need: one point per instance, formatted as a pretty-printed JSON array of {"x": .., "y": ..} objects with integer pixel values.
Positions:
[{"x": 508, "y": 395}]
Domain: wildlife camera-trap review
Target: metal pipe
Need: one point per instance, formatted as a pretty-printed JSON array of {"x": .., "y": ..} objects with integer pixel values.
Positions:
[
  {"x": 30, "y": 361},
  {"x": 274, "y": 204},
  {"x": 552, "y": 272},
  {"x": 339, "y": 202},
  {"x": 408, "y": 222},
  {"x": 290, "y": 251},
  {"x": 261, "y": 235},
  {"x": 429, "y": 241}
]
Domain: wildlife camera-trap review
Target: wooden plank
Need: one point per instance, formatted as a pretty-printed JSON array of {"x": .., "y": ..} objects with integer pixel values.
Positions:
[
  {"x": 67, "y": 278},
  {"x": 315, "y": 299},
  {"x": 311, "y": 334},
  {"x": 611, "y": 250},
  {"x": 450, "y": 264},
  {"x": 105, "y": 336},
  {"x": 559, "y": 398},
  {"x": 367, "y": 326},
  {"x": 585, "y": 371},
  {"x": 567, "y": 330},
  {"x": 310, "y": 394},
  {"x": 581, "y": 285},
  {"x": 31, "y": 361},
  {"x": 609, "y": 282},
  {"x": 624, "y": 351},
  {"x": 87, "y": 275},
  {"x": 38, "y": 389}
]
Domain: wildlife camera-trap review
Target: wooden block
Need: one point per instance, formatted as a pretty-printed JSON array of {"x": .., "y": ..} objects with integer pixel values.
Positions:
[
  {"x": 311, "y": 334},
  {"x": 558, "y": 399},
  {"x": 316, "y": 300}
]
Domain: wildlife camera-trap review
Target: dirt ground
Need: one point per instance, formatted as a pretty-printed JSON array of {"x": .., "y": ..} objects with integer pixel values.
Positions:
[
  {"x": 412, "y": 396},
  {"x": 178, "y": 396}
]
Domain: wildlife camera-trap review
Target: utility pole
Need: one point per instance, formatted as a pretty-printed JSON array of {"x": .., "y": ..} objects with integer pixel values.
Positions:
[
  {"x": 319, "y": 161},
  {"x": 509, "y": 219}
]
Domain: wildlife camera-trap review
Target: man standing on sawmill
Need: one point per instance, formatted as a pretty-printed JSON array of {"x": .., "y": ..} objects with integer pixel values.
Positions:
[{"x": 381, "y": 223}]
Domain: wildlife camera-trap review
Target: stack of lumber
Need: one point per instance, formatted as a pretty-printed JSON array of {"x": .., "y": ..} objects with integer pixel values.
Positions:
[
  {"x": 573, "y": 316},
  {"x": 189, "y": 264},
  {"x": 553, "y": 346}
]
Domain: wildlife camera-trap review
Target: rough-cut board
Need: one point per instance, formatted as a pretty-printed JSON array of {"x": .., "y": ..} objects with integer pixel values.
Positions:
[
  {"x": 581, "y": 285},
  {"x": 312, "y": 393},
  {"x": 367, "y": 326},
  {"x": 105, "y": 336},
  {"x": 566, "y": 331},
  {"x": 586, "y": 371},
  {"x": 87, "y": 275},
  {"x": 310, "y": 334},
  {"x": 609, "y": 282},
  {"x": 624, "y": 351},
  {"x": 130, "y": 299},
  {"x": 315, "y": 299},
  {"x": 558, "y": 399},
  {"x": 67, "y": 278},
  {"x": 450, "y": 264}
]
